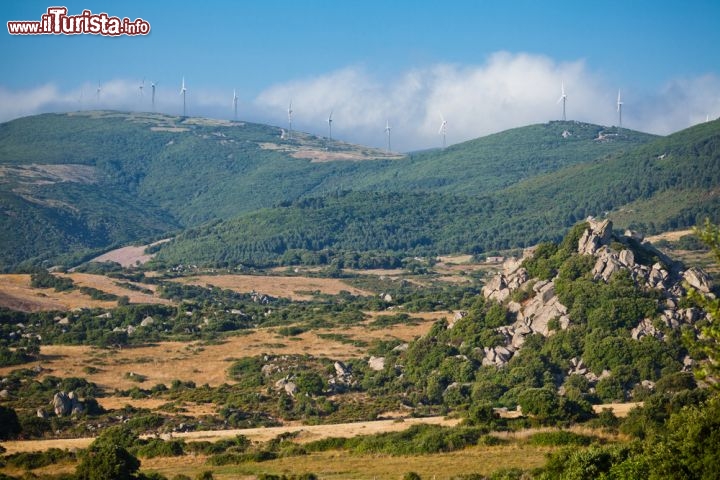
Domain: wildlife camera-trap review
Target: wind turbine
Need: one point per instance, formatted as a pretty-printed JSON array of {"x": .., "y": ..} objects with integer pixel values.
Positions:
[
  {"x": 619, "y": 110},
  {"x": 387, "y": 132},
  {"x": 152, "y": 84},
  {"x": 97, "y": 92},
  {"x": 563, "y": 98},
  {"x": 141, "y": 87},
  {"x": 182, "y": 92},
  {"x": 330, "y": 124},
  {"x": 443, "y": 129},
  {"x": 290, "y": 112},
  {"x": 235, "y": 103}
]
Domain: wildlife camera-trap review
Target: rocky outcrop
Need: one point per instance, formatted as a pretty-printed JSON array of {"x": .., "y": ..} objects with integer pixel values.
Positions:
[
  {"x": 376, "y": 363},
  {"x": 698, "y": 280},
  {"x": 286, "y": 385},
  {"x": 598, "y": 234},
  {"x": 66, "y": 404},
  {"x": 543, "y": 313}
]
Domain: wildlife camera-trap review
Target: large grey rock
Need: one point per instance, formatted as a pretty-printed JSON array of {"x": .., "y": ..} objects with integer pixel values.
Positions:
[
  {"x": 290, "y": 388},
  {"x": 341, "y": 370},
  {"x": 645, "y": 329},
  {"x": 598, "y": 233},
  {"x": 627, "y": 258},
  {"x": 495, "y": 284},
  {"x": 658, "y": 276},
  {"x": 698, "y": 279},
  {"x": 376, "y": 363},
  {"x": 606, "y": 265},
  {"x": 62, "y": 404}
]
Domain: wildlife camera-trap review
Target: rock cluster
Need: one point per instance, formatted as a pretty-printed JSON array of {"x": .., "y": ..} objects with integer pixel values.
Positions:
[
  {"x": 66, "y": 404},
  {"x": 543, "y": 312}
]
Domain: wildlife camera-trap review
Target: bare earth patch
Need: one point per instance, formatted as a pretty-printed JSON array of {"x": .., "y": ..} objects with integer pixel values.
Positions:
[
  {"x": 669, "y": 236},
  {"x": 294, "y": 288},
  {"x": 17, "y": 294},
  {"x": 129, "y": 256}
]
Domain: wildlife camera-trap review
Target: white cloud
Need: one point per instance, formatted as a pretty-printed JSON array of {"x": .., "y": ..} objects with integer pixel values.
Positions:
[{"x": 508, "y": 90}]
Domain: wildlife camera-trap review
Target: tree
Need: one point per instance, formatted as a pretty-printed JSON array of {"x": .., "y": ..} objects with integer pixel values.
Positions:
[
  {"x": 310, "y": 383},
  {"x": 710, "y": 345},
  {"x": 107, "y": 462},
  {"x": 108, "y": 457},
  {"x": 542, "y": 403},
  {"x": 9, "y": 423}
]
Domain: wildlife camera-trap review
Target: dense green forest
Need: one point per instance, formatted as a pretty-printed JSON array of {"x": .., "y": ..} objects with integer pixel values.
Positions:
[
  {"x": 76, "y": 184},
  {"x": 683, "y": 169}
]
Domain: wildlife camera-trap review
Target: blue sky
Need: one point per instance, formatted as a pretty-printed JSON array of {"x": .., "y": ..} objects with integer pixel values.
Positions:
[{"x": 485, "y": 66}]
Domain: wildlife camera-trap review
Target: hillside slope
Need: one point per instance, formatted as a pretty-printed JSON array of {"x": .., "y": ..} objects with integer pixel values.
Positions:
[
  {"x": 675, "y": 181},
  {"x": 86, "y": 181}
]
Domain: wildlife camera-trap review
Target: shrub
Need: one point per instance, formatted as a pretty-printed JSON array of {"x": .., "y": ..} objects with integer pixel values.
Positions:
[
  {"x": 107, "y": 461},
  {"x": 33, "y": 460},
  {"x": 559, "y": 438},
  {"x": 9, "y": 423}
]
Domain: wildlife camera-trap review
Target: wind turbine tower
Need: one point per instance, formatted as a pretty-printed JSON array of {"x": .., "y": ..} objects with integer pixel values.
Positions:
[
  {"x": 330, "y": 125},
  {"x": 141, "y": 87},
  {"x": 235, "y": 104},
  {"x": 443, "y": 129},
  {"x": 563, "y": 98},
  {"x": 387, "y": 133},
  {"x": 290, "y": 113},
  {"x": 619, "y": 110},
  {"x": 97, "y": 93},
  {"x": 152, "y": 84},
  {"x": 183, "y": 90}
]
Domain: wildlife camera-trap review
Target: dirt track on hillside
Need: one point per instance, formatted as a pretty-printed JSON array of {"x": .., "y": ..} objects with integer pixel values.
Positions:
[{"x": 307, "y": 433}]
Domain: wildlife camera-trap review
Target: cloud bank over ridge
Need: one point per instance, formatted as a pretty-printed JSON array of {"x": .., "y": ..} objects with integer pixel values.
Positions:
[{"x": 507, "y": 90}]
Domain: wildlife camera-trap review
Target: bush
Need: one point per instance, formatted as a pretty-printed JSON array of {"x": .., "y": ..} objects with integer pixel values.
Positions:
[
  {"x": 33, "y": 460},
  {"x": 9, "y": 423},
  {"x": 104, "y": 461},
  {"x": 160, "y": 448},
  {"x": 560, "y": 438}
]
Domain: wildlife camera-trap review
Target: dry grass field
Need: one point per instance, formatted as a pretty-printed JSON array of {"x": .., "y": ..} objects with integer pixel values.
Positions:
[
  {"x": 109, "y": 285},
  {"x": 17, "y": 294},
  {"x": 167, "y": 361},
  {"x": 338, "y": 465},
  {"x": 334, "y": 465},
  {"x": 306, "y": 433},
  {"x": 294, "y": 288}
]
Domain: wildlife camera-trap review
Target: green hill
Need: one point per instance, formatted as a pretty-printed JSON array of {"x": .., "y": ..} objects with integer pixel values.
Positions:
[
  {"x": 673, "y": 180},
  {"x": 73, "y": 184}
]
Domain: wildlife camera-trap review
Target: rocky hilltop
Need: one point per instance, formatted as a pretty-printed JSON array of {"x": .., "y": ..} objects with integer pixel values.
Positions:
[{"x": 539, "y": 310}]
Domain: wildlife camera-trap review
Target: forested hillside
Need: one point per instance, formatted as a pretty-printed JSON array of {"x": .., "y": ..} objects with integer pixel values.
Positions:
[
  {"x": 665, "y": 184},
  {"x": 76, "y": 184}
]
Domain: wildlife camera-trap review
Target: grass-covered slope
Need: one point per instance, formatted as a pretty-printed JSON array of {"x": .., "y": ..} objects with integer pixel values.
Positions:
[
  {"x": 89, "y": 180},
  {"x": 673, "y": 180},
  {"x": 502, "y": 159}
]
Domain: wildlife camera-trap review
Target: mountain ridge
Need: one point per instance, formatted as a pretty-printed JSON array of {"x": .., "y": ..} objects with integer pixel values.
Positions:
[{"x": 150, "y": 175}]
